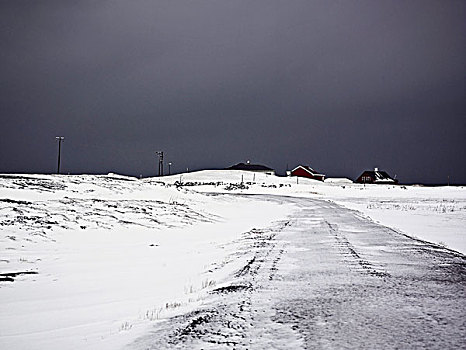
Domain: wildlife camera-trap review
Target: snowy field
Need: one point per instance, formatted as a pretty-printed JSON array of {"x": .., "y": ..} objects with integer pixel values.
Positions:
[
  {"x": 96, "y": 262},
  {"x": 434, "y": 214}
]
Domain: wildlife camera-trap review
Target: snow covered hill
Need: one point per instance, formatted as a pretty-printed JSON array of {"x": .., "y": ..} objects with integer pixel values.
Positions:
[
  {"x": 434, "y": 214},
  {"x": 91, "y": 256},
  {"x": 91, "y": 261}
]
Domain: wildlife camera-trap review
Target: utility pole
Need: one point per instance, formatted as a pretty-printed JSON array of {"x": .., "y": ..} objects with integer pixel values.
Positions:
[
  {"x": 160, "y": 154},
  {"x": 169, "y": 168},
  {"x": 59, "y": 139}
]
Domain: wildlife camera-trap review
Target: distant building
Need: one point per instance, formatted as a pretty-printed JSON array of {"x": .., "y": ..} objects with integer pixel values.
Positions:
[
  {"x": 258, "y": 168},
  {"x": 306, "y": 171},
  {"x": 376, "y": 176}
]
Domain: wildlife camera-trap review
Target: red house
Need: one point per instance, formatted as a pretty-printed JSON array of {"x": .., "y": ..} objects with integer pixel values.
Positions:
[{"x": 305, "y": 171}]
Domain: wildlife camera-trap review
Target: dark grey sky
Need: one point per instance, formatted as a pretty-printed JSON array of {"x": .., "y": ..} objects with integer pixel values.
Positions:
[{"x": 341, "y": 85}]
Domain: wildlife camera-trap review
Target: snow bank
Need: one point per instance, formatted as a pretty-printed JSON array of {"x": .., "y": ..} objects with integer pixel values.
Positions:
[
  {"x": 109, "y": 256},
  {"x": 338, "y": 180},
  {"x": 434, "y": 214}
]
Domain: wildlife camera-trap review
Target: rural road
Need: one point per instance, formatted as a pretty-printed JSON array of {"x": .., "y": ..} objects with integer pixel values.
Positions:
[{"x": 327, "y": 278}]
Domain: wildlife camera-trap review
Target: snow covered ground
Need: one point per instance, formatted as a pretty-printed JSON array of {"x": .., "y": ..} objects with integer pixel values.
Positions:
[
  {"x": 327, "y": 278},
  {"x": 94, "y": 262},
  {"x": 434, "y": 214}
]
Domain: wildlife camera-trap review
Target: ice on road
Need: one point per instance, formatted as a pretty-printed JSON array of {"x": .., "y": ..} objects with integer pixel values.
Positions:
[{"x": 327, "y": 278}]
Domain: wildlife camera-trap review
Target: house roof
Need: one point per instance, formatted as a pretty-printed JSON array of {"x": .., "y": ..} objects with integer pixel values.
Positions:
[
  {"x": 379, "y": 176},
  {"x": 308, "y": 169},
  {"x": 249, "y": 166}
]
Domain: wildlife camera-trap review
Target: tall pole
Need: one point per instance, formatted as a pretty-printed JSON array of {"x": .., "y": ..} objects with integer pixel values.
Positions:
[
  {"x": 160, "y": 154},
  {"x": 60, "y": 139}
]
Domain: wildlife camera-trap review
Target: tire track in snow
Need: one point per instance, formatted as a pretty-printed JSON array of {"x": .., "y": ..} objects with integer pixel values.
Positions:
[{"x": 331, "y": 279}]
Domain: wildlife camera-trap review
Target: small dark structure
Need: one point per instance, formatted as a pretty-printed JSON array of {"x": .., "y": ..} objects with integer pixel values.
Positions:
[
  {"x": 252, "y": 167},
  {"x": 376, "y": 176},
  {"x": 306, "y": 171}
]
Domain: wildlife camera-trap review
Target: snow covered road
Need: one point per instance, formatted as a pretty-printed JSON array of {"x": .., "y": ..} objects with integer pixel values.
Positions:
[
  {"x": 327, "y": 278},
  {"x": 111, "y": 262}
]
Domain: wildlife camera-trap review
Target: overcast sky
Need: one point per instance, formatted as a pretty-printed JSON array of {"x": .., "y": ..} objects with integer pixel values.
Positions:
[{"x": 342, "y": 86}]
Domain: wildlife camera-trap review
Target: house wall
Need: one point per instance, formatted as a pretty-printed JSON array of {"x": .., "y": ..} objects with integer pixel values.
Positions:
[
  {"x": 303, "y": 173},
  {"x": 365, "y": 178}
]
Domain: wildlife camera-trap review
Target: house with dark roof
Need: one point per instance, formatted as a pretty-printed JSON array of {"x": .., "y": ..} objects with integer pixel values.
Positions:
[
  {"x": 258, "y": 168},
  {"x": 376, "y": 176},
  {"x": 307, "y": 171}
]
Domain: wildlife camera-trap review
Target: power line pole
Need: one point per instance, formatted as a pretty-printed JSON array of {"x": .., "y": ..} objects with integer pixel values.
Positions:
[
  {"x": 160, "y": 154},
  {"x": 59, "y": 139}
]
